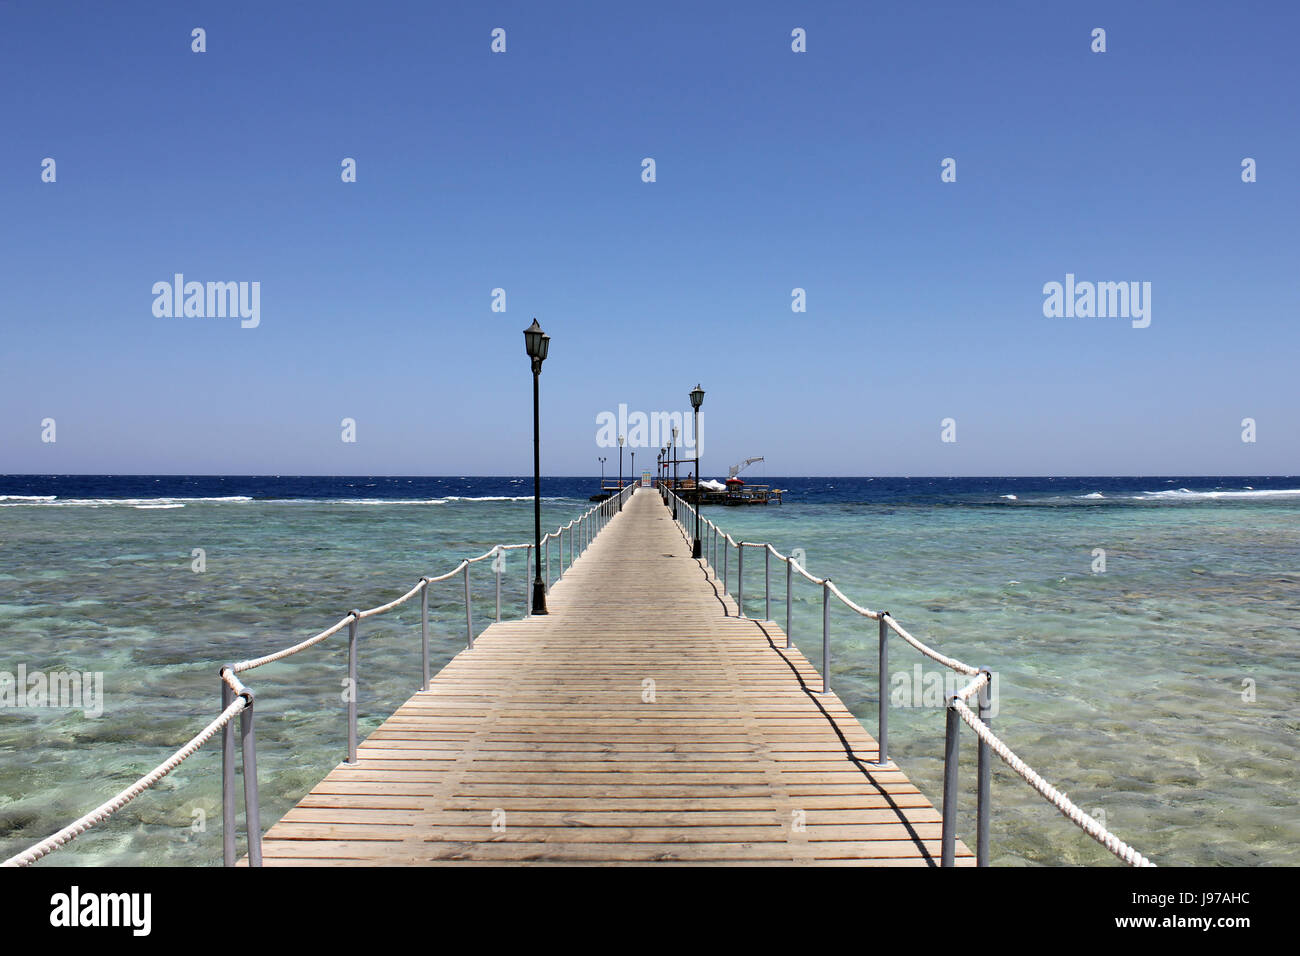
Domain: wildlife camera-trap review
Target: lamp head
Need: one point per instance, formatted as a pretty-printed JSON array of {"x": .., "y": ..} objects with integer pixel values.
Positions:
[
  {"x": 697, "y": 397},
  {"x": 537, "y": 343}
]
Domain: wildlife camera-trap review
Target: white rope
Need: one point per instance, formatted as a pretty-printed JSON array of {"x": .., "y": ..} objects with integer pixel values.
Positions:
[
  {"x": 1059, "y": 800},
  {"x": 849, "y": 604},
  {"x": 974, "y": 686},
  {"x": 392, "y": 604},
  {"x": 289, "y": 651},
  {"x": 804, "y": 573},
  {"x": 450, "y": 574},
  {"x": 105, "y": 810},
  {"x": 929, "y": 652}
]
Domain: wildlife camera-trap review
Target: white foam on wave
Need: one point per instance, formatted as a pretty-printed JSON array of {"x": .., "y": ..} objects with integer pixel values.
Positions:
[
  {"x": 1186, "y": 494},
  {"x": 1009, "y": 497},
  {"x": 1095, "y": 494},
  {"x": 369, "y": 501},
  {"x": 157, "y": 507},
  {"x": 496, "y": 498}
]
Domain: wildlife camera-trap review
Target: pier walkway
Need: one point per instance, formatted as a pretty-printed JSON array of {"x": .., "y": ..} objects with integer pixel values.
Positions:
[{"x": 641, "y": 720}]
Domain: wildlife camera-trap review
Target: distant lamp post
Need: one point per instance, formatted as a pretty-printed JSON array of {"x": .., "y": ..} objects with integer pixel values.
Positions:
[
  {"x": 659, "y": 466},
  {"x": 633, "y": 468},
  {"x": 601, "y": 459},
  {"x": 697, "y": 399},
  {"x": 620, "y": 472},
  {"x": 538, "y": 344}
]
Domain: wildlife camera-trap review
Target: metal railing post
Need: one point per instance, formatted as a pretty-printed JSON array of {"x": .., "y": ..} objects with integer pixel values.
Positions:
[
  {"x": 528, "y": 579},
  {"x": 227, "y": 779},
  {"x": 548, "y": 564},
  {"x": 726, "y": 550},
  {"x": 883, "y": 737},
  {"x": 469, "y": 613},
  {"x": 352, "y": 687},
  {"x": 950, "y": 742},
  {"x": 985, "y": 773},
  {"x": 789, "y": 589},
  {"x": 740, "y": 577},
  {"x": 252, "y": 806},
  {"x": 500, "y": 562},
  {"x": 767, "y": 583},
  {"x": 826, "y": 636},
  {"x": 424, "y": 635}
]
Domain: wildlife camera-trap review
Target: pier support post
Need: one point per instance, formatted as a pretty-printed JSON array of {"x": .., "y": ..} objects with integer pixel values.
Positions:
[
  {"x": 826, "y": 636},
  {"x": 424, "y": 635},
  {"x": 789, "y": 586},
  {"x": 469, "y": 613},
  {"x": 950, "y": 742},
  {"x": 726, "y": 550},
  {"x": 882, "y": 738},
  {"x": 740, "y": 577},
  {"x": 767, "y": 583},
  {"x": 352, "y": 687},
  {"x": 985, "y": 773},
  {"x": 227, "y": 780},
  {"x": 252, "y": 806}
]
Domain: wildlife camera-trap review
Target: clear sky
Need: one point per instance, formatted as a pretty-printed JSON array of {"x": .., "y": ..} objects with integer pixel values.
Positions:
[{"x": 775, "y": 170}]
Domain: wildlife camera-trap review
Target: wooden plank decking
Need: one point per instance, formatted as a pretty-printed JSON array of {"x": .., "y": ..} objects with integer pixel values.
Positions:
[{"x": 548, "y": 730}]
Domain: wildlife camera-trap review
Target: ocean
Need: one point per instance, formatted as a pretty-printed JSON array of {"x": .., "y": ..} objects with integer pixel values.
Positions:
[{"x": 1143, "y": 629}]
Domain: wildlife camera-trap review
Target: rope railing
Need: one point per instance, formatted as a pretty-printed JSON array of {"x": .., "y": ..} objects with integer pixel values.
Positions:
[
  {"x": 237, "y": 699},
  {"x": 109, "y": 807},
  {"x": 980, "y": 687},
  {"x": 1064, "y": 804}
]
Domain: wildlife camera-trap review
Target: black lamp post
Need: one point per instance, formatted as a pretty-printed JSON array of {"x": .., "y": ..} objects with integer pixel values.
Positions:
[
  {"x": 620, "y": 472},
  {"x": 697, "y": 399},
  {"x": 538, "y": 343},
  {"x": 601, "y": 459},
  {"x": 659, "y": 466},
  {"x": 632, "y": 470}
]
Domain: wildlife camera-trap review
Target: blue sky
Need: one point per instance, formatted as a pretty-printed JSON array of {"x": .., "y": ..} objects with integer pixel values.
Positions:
[{"x": 775, "y": 170}]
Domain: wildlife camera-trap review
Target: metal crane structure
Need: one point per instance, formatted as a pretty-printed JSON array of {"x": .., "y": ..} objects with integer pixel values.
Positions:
[{"x": 734, "y": 470}]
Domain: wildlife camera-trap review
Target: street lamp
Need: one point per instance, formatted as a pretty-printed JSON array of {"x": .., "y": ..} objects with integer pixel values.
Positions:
[
  {"x": 697, "y": 399},
  {"x": 620, "y": 472},
  {"x": 659, "y": 466},
  {"x": 633, "y": 468},
  {"x": 538, "y": 343},
  {"x": 601, "y": 459}
]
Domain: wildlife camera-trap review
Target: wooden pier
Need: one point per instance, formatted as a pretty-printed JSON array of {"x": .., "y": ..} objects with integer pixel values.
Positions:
[{"x": 642, "y": 720}]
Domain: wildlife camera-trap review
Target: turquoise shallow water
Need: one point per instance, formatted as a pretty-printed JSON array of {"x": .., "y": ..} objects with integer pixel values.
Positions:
[{"x": 1124, "y": 688}]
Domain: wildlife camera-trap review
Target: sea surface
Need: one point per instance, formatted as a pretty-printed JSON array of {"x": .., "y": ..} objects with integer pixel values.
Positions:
[{"x": 1160, "y": 690}]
